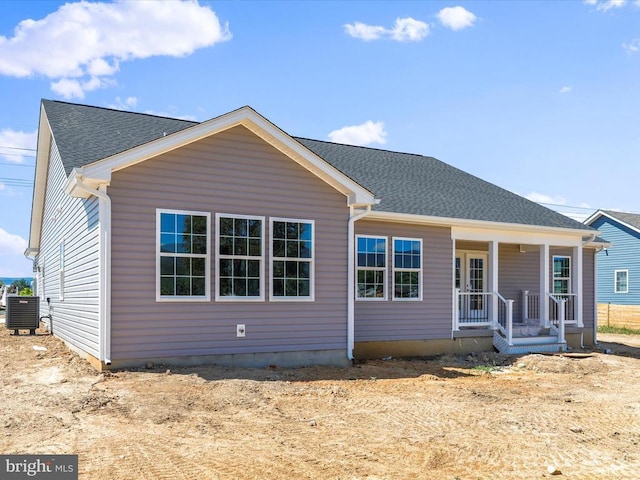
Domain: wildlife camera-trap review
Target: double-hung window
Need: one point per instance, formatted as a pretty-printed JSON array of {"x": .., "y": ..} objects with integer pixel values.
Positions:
[
  {"x": 371, "y": 267},
  {"x": 561, "y": 274},
  {"x": 182, "y": 255},
  {"x": 240, "y": 248},
  {"x": 621, "y": 281},
  {"x": 292, "y": 252},
  {"x": 407, "y": 269}
]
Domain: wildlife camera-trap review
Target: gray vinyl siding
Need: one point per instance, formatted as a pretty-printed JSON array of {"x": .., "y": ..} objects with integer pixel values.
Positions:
[
  {"x": 74, "y": 220},
  {"x": 517, "y": 272},
  {"x": 233, "y": 172},
  {"x": 410, "y": 320}
]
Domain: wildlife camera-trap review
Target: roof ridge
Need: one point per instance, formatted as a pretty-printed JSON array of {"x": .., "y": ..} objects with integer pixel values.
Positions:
[
  {"x": 111, "y": 109},
  {"x": 365, "y": 148}
]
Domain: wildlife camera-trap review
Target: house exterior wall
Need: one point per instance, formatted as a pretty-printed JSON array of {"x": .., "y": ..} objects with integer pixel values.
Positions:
[
  {"x": 427, "y": 319},
  {"x": 588, "y": 289},
  {"x": 74, "y": 221},
  {"x": 233, "y": 172},
  {"x": 518, "y": 271},
  {"x": 624, "y": 254}
]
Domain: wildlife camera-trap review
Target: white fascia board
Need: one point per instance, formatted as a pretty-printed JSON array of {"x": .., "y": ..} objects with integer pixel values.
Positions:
[
  {"x": 600, "y": 213},
  {"x": 486, "y": 231},
  {"x": 250, "y": 119},
  {"x": 40, "y": 181},
  {"x": 76, "y": 176}
]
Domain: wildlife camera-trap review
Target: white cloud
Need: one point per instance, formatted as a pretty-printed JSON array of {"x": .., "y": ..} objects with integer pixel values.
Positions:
[
  {"x": 11, "y": 244},
  {"x": 606, "y": 5},
  {"x": 633, "y": 46},
  {"x": 12, "y": 144},
  {"x": 80, "y": 46},
  {"x": 364, "y": 134},
  {"x": 456, "y": 18},
  {"x": 128, "y": 103},
  {"x": 546, "y": 199},
  {"x": 404, "y": 30},
  {"x": 566, "y": 89}
]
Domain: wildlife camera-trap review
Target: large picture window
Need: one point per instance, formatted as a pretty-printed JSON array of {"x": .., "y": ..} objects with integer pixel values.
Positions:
[
  {"x": 621, "y": 281},
  {"x": 182, "y": 255},
  {"x": 561, "y": 274},
  {"x": 240, "y": 247},
  {"x": 407, "y": 269},
  {"x": 371, "y": 267},
  {"x": 292, "y": 252}
]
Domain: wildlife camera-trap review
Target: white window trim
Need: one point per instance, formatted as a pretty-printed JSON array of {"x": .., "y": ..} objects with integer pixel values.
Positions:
[
  {"x": 394, "y": 270},
  {"x": 554, "y": 278},
  {"x": 615, "y": 281},
  {"x": 312, "y": 284},
  {"x": 207, "y": 263},
  {"x": 221, "y": 298},
  {"x": 61, "y": 269},
  {"x": 385, "y": 284}
]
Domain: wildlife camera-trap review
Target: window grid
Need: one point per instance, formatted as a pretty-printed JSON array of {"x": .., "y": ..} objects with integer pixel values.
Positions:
[
  {"x": 621, "y": 280},
  {"x": 292, "y": 252},
  {"x": 407, "y": 269},
  {"x": 561, "y": 274},
  {"x": 183, "y": 255},
  {"x": 240, "y": 247},
  {"x": 371, "y": 261}
]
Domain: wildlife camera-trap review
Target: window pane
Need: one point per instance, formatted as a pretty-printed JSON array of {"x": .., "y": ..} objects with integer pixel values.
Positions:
[
  {"x": 198, "y": 267},
  {"x": 183, "y": 266},
  {"x": 278, "y": 287},
  {"x": 253, "y": 268},
  {"x": 199, "y": 243},
  {"x": 239, "y": 268},
  {"x": 278, "y": 269},
  {"x": 183, "y": 243},
  {"x": 240, "y": 246},
  {"x": 304, "y": 288},
  {"x": 167, "y": 223},
  {"x": 305, "y": 249},
  {"x": 306, "y": 232},
  {"x": 167, "y": 266},
  {"x": 362, "y": 244},
  {"x": 304, "y": 270},
  {"x": 183, "y": 286},
  {"x": 278, "y": 248},
  {"x": 226, "y": 287},
  {"x": 240, "y": 227},
  {"x": 279, "y": 230},
  {"x": 167, "y": 286},
  {"x": 291, "y": 270},
  {"x": 183, "y": 223},
  {"x": 255, "y": 228},
  {"x": 226, "y": 246},
  {"x": 293, "y": 249},
  {"x": 255, "y": 247},
  {"x": 253, "y": 287},
  {"x": 197, "y": 286},
  {"x": 199, "y": 225},
  {"x": 226, "y": 267},
  {"x": 226, "y": 226},
  {"x": 168, "y": 243},
  {"x": 240, "y": 287}
]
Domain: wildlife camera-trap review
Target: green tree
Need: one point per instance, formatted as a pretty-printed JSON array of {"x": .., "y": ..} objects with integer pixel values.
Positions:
[
  {"x": 26, "y": 292},
  {"x": 21, "y": 284}
]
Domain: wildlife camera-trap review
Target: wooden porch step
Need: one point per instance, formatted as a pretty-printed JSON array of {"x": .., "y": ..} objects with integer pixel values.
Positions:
[{"x": 541, "y": 344}]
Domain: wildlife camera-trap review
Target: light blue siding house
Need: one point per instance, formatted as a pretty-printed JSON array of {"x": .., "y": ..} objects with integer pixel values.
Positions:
[
  {"x": 618, "y": 267},
  {"x": 230, "y": 241}
]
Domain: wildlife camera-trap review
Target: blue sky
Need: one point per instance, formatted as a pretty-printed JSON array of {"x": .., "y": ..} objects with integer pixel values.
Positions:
[{"x": 541, "y": 98}]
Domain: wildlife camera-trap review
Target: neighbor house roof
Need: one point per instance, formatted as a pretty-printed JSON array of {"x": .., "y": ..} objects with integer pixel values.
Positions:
[
  {"x": 404, "y": 183},
  {"x": 631, "y": 220}
]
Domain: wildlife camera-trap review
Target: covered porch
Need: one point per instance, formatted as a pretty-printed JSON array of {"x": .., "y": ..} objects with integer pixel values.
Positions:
[{"x": 525, "y": 289}]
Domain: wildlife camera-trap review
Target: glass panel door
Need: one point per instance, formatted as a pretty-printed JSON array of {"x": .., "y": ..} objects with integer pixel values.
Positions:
[{"x": 476, "y": 273}]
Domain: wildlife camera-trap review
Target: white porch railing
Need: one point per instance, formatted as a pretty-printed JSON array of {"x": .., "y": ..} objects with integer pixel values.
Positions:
[
  {"x": 504, "y": 317},
  {"x": 475, "y": 309},
  {"x": 558, "y": 309},
  {"x": 531, "y": 307}
]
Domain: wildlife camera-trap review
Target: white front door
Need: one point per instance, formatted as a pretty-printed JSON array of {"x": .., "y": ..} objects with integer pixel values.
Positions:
[{"x": 471, "y": 275}]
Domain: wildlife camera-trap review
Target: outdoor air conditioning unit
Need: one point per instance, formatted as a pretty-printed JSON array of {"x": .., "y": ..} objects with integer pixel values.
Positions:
[{"x": 23, "y": 313}]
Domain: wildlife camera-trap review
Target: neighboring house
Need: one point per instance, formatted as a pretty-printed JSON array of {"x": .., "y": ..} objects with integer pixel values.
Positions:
[
  {"x": 229, "y": 241},
  {"x": 618, "y": 267}
]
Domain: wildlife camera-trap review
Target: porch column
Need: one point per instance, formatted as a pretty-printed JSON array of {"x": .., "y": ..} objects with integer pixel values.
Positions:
[
  {"x": 493, "y": 280},
  {"x": 576, "y": 276},
  {"x": 544, "y": 284}
]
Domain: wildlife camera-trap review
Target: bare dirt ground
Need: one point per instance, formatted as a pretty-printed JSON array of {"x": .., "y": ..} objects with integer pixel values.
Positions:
[{"x": 452, "y": 417}]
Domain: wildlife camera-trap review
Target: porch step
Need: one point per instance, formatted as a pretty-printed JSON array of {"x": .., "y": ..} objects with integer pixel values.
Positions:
[{"x": 528, "y": 344}]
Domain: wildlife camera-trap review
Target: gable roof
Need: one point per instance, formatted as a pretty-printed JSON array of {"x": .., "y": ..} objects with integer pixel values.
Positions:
[
  {"x": 631, "y": 220},
  {"x": 405, "y": 183}
]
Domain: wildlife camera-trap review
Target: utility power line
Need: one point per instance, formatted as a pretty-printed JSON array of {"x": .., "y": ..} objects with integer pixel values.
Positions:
[{"x": 18, "y": 148}]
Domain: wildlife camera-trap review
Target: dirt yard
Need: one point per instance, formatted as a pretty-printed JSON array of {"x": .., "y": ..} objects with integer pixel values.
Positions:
[{"x": 453, "y": 417}]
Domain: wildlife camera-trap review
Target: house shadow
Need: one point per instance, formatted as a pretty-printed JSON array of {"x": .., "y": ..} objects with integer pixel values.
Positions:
[
  {"x": 619, "y": 348},
  {"x": 433, "y": 367}
]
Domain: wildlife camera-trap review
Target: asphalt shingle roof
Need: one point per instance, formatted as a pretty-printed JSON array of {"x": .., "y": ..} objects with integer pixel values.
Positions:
[
  {"x": 632, "y": 219},
  {"x": 405, "y": 183}
]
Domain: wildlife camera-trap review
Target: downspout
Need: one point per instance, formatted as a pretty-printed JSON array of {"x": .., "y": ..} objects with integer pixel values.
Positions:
[
  {"x": 595, "y": 293},
  {"x": 105, "y": 264},
  {"x": 351, "y": 267}
]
